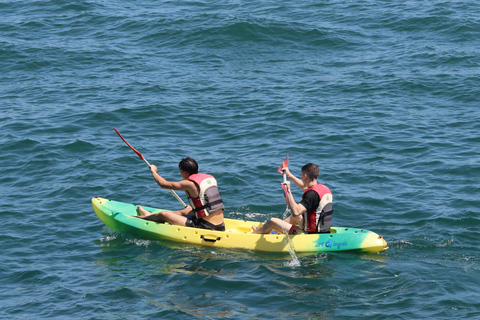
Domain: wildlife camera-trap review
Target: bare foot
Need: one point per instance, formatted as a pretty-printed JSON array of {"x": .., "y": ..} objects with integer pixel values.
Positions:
[{"x": 142, "y": 212}]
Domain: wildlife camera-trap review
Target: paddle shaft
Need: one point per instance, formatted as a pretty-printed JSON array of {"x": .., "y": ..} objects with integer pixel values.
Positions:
[
  {"x": 284, "y": 187},
  {"x": 284, "y": 164},
  {"x": 148, "y": 164}
]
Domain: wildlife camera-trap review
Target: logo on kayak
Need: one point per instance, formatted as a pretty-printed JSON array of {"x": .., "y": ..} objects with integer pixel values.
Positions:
[{"x": 331, "y": 244}]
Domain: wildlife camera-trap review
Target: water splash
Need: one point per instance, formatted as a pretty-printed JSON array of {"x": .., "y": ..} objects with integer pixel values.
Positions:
[{"x": 289, "y": 244}]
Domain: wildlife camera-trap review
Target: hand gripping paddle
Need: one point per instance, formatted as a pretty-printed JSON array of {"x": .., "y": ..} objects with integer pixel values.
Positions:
[
  {"x": 148, "y": 164},
  {"x": 284, "y": 164}
]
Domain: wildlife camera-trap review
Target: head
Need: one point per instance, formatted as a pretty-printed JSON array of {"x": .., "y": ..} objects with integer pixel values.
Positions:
[
  {"x": 188, "y": 165},
  {"x": 310, "y": 172}
]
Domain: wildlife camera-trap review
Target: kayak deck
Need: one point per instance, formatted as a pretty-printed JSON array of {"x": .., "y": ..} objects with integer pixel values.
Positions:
[{"x": 120, "y": 216}]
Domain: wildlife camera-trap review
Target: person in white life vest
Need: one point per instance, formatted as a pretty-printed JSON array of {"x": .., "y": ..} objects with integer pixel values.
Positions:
[
  {"x": 313, "y": 214},
  {"x": 206, "y": 206}
]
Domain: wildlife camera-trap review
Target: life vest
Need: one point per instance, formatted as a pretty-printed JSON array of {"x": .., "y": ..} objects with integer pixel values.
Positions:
[
  {"x": 319, "y": 220},
  {"x": 209, "y": 199}
]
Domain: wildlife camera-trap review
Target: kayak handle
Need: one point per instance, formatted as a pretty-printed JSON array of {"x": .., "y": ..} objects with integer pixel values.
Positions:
[{"x": 210, "y": 240}]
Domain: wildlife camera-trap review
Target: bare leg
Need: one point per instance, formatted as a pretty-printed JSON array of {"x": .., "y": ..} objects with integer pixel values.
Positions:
[
  {"x": 142, "y": 212},
  {"x": 157, "y": 217},
  {"x": 273, "y": 224},
  {"x": 150, "y": 216},
  {"x": 290, "y": 219},
  {"x": 171, "y": 217}
]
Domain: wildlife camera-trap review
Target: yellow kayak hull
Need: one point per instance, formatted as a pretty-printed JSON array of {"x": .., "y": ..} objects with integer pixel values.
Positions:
[{"x": 120, "y": 216}]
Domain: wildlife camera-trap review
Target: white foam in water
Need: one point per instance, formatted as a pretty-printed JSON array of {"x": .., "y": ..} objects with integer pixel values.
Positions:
[{"x": 289, "y": 244}]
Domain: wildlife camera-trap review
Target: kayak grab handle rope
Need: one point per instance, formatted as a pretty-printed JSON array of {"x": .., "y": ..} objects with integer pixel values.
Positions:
[{"x": 210, "y": 240}]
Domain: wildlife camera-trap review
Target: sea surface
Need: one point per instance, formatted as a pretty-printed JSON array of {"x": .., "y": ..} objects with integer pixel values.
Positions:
[{"x": 383, "y": 95}]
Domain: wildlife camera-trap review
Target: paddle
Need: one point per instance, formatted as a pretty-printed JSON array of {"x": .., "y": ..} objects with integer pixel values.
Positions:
[
  {"x": 148, "y": 164},
  {"x": 288, "y": 241},
  {"x": 284, "y": 164}
]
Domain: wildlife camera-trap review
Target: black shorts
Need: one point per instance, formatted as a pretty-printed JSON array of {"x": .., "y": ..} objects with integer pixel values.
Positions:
[{"x": 193, "y": 222}]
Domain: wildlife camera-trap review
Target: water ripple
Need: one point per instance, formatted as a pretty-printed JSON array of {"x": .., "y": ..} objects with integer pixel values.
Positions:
[{"x": 383, "y": 96}]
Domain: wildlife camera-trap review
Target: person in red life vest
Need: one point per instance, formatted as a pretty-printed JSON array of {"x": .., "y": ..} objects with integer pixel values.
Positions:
[
  {"x": 313, "y": 214},
  {"x": 206, "y": 206}
]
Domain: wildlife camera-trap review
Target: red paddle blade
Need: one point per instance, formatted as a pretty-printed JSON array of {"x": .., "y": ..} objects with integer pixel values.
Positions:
[
  {"x": 128, "y": 144},
  {"x": 284, "y": 164}
]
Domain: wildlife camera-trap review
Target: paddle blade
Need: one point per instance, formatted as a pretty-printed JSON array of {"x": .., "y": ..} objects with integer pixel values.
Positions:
[
  {"x": 128, "y": 144},
  {"x": 284, "y": 164}
]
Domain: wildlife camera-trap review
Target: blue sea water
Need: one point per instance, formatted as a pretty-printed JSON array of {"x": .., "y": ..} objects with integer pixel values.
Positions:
[{"x": 382, "y": 95}]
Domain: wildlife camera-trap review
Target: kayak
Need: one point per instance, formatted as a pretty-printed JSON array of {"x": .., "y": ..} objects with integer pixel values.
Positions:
[{"x": 122, "y": 217}]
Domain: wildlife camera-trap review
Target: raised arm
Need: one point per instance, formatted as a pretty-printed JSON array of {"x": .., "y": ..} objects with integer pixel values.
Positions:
[
  {"x": 297, "y": 208},
  {"x": 295, "y": 180},
  {"x": 180, "y": 185}
]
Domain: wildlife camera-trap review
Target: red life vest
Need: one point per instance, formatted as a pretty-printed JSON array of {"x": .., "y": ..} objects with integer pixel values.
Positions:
[
  {"x": 209, "y": 199},
  {"x": 319, "y": 220}
]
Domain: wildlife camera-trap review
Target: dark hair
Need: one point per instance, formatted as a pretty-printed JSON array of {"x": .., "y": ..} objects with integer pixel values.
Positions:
[
  {"x": 188, "y": 165},
  {"x": 311, "y": 170}
]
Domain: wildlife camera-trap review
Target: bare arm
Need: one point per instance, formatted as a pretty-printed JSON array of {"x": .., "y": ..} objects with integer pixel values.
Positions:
[
  {"x": 297, "y": 208},
  {"x": 295, "y": 180},
  {"x": 180, "y": 185}
]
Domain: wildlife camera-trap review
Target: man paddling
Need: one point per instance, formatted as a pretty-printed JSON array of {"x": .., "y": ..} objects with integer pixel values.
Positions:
[
  {"x": 313, "y": 214},
  {"x": 206, "y": 206}
]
